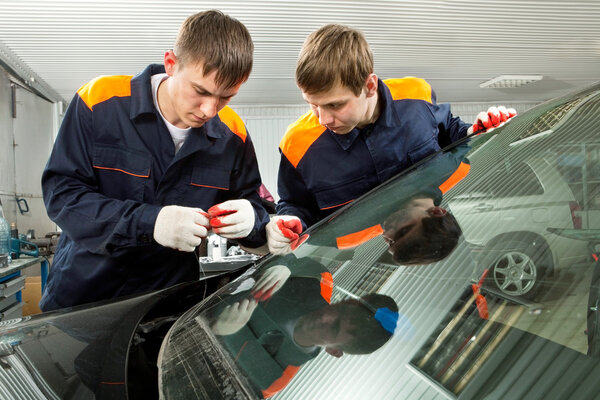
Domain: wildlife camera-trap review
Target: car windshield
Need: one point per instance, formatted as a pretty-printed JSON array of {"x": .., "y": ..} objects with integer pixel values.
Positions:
[{"x": 472, "y": 275}]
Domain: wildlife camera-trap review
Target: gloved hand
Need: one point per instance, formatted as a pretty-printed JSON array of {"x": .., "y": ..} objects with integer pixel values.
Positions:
[
  {"x": 491, "y": 119},
  {"x": 283, "y": 232},
  {"x": 233, "y": 219},
  {"x": 270, "y": 282},
  {"x": 234, "y": 317},
  {"x": 180, "y": 228}
]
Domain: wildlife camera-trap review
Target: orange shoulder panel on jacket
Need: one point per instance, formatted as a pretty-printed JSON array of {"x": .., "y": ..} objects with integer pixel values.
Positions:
[
  {"x": 103, "y": 88},
  {"x": 280, "y": 383},
  {"x": 300, "y": 136},
  {"x": 233, "y": 122},
  {"x": 357, "y": 238},
  {"x": 457, "y": 176},
  {"x": 326, "y": 286},
  {"x": 409, "y": 88}
]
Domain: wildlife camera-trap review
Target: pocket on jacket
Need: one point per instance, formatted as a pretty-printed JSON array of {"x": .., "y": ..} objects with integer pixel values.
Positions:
[
  {"x": 210, "y": 177},
  {"x": 341, "y": 193},
  {"x": 425, "y": 149},
  {"x": 122, "y": 173}
]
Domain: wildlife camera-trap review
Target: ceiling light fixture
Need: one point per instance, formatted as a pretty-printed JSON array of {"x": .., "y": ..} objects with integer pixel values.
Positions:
[{"x": 510, "y": 81}]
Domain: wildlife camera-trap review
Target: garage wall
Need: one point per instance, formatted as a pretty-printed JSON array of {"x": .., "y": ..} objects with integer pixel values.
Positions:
[
  {"x": 7, "y": 160},
  {"x": 25, "y": 143},
  {"x": 267, "y": 124},
  {"x": 36, "y": 123}
]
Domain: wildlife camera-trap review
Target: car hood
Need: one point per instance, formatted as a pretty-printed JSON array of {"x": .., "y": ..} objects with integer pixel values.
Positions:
[{"x": 79, "y": 352}]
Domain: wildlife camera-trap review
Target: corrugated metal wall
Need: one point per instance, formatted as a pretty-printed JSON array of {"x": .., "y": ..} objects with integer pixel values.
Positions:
[{"x": 267, "y": 124}]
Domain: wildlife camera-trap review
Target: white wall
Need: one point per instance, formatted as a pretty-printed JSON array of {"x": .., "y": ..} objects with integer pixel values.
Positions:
[
  {"x": 33, "y": 130},
  {"x": 33, "y": 138},
  {"x": 7, "y": 160},
  {"x": 267, "y": 124},
  {"x": 25, "y": 144}
]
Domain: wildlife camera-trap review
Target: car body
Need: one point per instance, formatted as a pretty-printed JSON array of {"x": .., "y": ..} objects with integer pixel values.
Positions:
[
  {"x": 536, "y": 199},
  {"x": 277, "y": 326}
]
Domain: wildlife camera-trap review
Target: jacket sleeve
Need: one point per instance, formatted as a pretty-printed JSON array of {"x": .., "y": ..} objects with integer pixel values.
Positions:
[
  {"x": 245, "y": 183},
  {"x": 451, "y": 128},
  {"x": 73, "y": 201},
  {"x": 294, "y": 197}
]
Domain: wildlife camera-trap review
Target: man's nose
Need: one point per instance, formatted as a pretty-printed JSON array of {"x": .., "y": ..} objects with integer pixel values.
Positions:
[
  {"x": 209, "y": 108},
  {"x": 325, "y": 118}
]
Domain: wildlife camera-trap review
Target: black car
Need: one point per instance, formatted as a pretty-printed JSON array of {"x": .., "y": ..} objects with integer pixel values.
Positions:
[{"x": 403, "y": 294}]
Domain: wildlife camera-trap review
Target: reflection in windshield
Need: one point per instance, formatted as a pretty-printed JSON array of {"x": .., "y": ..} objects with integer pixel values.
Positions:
[
  {"x": 273, "y": 329},
  {"x": 407, "y": 214},
  {"x": 489, "y": 252}
]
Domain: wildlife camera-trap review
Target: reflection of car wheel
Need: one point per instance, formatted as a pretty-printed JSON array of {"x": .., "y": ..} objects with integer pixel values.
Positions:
[{"x": 517, "y": 268}]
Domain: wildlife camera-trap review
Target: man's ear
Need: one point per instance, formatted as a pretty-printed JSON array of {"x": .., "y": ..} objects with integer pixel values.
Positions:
[
  {"x": 337, "y": 353},
  {"x": 437, "y": 211},
  {"x": 371, "y": 85},
  {"x": 170, "y": 62}
]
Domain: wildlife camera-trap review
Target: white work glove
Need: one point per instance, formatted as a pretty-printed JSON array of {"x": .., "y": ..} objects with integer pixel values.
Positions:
[
  {"x": 270, "y": 282},
  {"x": 234, "y": 317},
  {"x": 233, "y": 219},
  {"x": 180, "y": 228},
  {"x": 491, "y": 119},
  {"x": 283, "y": 234}
]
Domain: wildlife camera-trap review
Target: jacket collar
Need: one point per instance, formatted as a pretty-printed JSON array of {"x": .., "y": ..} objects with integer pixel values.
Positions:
[
  {"x": 388, "y": 115},
  {"x": 141, "y": 91}
]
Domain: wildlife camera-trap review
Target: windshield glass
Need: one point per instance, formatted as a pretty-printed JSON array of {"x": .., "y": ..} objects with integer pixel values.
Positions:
[{"x": 471, "y": 275}]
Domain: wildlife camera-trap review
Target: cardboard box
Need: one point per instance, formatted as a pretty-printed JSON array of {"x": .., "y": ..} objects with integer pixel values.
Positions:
[{"x": 31, "y": 295}]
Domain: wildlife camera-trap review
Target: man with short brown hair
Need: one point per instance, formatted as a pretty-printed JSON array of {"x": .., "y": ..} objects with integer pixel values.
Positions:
[
  {"x": 144, "y": 166},
  {"x": 360, "y": 131}
]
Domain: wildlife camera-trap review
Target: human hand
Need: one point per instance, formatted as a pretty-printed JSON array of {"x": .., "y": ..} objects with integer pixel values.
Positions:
[
  {"x": 283, "y": 232},
  {"x": 270, "y": 282},
  {"x": 234, "y": 317},
  {"x": 233, "y": 219},
  {"x": 181, "y": 228},
  {"x": 494, "y": 117}
]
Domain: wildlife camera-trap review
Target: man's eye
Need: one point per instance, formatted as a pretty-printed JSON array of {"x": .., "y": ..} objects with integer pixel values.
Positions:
[{"x": 402, "y": 232}]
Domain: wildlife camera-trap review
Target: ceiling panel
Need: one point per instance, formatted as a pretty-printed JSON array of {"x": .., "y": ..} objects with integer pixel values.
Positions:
[{"x": 453, "y": 44}]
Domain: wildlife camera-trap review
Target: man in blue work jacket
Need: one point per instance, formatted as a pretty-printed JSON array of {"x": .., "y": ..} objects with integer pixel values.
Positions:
[
  {"x": 144, "y": 166},
  {"x": 360, "y": 131}
]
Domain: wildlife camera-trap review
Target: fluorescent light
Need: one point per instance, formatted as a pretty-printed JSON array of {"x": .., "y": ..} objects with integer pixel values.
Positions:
[
  {"x": 533, "y": 137},
  {"x": 510, "y": 81}
]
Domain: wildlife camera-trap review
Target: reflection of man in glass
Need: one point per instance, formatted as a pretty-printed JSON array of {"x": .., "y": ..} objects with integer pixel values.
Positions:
[
  {"x": 272, "y": 331},
  {"x": 421, "y": 233},
  {"x": 408, "y": 214}
]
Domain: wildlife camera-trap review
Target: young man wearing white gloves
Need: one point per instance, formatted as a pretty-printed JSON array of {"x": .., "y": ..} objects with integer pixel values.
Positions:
[{"x": 144, "y": 166}]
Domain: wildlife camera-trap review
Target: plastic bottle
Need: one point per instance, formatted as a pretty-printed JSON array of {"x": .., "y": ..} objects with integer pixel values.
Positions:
[{"x": 4, "y": 236}]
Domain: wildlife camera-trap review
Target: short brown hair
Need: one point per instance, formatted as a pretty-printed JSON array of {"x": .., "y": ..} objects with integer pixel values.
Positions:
[
  {"x": 332, "y": 54},
  {"x": 220, "y": 43},
  {"x": 368, "y": 333},
  {"x": 439, "y": 239}
]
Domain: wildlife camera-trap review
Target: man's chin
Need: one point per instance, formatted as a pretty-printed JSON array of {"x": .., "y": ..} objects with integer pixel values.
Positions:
[
  {"x": 196, "y": 124},
  {"x": 340, "y": 131}
]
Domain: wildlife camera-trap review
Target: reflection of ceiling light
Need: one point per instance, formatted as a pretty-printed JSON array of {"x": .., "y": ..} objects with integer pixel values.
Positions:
[{"x": 510, "y": 81}]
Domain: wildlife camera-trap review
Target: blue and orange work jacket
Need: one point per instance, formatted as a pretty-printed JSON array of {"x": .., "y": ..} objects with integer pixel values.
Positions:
[
  {"x": 321, "y": 171},
  {"x": 112, "y": 169}
]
